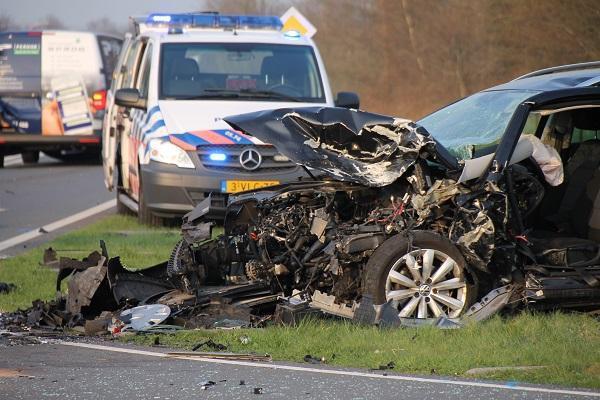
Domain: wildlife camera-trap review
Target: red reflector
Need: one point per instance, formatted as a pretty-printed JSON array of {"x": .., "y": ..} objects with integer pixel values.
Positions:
[
  {"x": 99, "y": 100},
  {"x": 89, "y": 140},
  {"x": 2, "y": 140},
  {"x": 34, "y": 33}
]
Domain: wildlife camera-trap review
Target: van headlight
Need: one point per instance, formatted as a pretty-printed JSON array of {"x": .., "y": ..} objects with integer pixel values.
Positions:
[{"x": 166, "y": 152}]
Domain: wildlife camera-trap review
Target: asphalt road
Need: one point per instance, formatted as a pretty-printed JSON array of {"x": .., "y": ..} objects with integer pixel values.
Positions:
[
  {"x": 32, "y": 196},
  {"x": 55, "y": 370}
]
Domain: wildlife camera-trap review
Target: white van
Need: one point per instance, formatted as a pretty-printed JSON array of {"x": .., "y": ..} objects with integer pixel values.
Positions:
[
  {"x": 166, "y": 146},
  {"x": 53, "y": 91}
]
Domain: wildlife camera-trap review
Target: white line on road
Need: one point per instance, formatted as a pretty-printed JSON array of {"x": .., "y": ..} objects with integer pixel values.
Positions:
[
  {"x": 339, "y": 372},
  {"x": 57, "y": 224}
]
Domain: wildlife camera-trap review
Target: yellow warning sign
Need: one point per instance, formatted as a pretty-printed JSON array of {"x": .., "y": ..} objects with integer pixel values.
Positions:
[{"x": 293, "y": 20}]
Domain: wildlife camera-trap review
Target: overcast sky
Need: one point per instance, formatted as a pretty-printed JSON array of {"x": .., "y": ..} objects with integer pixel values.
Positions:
[{"x": 76, "y": 14}]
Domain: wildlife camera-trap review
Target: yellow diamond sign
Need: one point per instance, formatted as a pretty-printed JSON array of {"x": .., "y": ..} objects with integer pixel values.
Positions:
[{"x": 292, "y": 20}]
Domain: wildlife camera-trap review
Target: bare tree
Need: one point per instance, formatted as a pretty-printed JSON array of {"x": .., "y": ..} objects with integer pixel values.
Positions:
[
  {"x": 7, "y": 23},
  {"x": 50, "y": 22},
  {"x": 409, "y": 57},
  {"x": 105, "y": 25}
]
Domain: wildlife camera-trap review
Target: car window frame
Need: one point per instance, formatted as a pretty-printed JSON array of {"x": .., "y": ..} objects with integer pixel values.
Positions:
[{"x": 143, "y": 80}]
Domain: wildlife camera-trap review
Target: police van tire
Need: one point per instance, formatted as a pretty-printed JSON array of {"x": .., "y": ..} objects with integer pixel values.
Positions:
[
  {"x": 145, "y": 215},
  {"x": 30, "y": 157}
]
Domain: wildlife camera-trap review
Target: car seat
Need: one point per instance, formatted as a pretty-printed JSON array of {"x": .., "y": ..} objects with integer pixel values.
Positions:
[
  {"x": 570, "y": 206},
  {"x": 183, "y": 78}
]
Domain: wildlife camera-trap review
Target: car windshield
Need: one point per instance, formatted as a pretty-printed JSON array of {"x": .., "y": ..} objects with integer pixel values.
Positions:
[
  {"x": 477, "y": 121},
  {"x": 243, "y": 71}
]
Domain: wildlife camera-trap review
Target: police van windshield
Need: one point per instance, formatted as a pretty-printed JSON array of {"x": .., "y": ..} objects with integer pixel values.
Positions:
[{"x": 241, "y": 71}]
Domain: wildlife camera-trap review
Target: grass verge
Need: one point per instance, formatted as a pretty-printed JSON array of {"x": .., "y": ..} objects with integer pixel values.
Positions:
[
  {"x": 568, "y": 345},
  {"x": 139, "y": 246}
]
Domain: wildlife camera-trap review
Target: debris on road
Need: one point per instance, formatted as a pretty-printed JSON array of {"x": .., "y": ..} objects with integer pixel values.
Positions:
[
  {"x": 207, "y": 384},
  {"x": 221, "y": 356}
]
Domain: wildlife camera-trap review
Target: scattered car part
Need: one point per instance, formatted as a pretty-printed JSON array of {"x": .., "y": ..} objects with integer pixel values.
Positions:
[
  {"x": 210, "y": 344},
  {"x": 143, "y": 317},
  {"x": 221, "y": 356}
]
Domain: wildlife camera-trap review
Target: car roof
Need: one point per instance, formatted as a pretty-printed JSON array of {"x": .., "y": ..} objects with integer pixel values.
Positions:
[
  {"x": 228, "y": 36},
  {"x": 556, "y": 78}
]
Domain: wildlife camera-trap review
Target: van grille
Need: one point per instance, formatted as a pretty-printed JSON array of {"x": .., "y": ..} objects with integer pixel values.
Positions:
[{"x": 232, "y": 163}]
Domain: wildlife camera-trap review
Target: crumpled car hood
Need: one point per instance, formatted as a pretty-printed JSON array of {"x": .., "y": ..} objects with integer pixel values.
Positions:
[{"x": 349, "y": 145}]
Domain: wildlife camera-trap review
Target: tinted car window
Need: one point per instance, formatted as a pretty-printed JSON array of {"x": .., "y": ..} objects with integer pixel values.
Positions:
[{"x": 109, "y": 50}]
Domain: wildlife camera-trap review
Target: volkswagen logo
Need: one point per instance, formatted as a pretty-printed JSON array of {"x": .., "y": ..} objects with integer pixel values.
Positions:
[{"x": 250, "y": 159}]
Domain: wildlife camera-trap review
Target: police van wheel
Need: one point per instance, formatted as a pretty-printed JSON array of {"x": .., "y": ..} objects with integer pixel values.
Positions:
[
  {"x": 145, "y": 215},
  {"x": 30, "y": 157}
]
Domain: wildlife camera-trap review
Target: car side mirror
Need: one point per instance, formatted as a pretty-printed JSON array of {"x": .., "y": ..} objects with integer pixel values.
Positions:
[
  {"x": 130, "y": 98},
  {"x": 347, "y": 100}
]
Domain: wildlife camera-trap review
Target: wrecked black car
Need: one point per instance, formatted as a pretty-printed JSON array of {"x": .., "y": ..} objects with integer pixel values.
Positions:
[{"x": 491, "y": 201}]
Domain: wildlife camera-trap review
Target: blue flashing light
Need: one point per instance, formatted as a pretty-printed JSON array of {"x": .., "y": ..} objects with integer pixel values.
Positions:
[
  {"x": 160, "y": 18},
  {"x": 217, "y": 156},
  {"x": 216, "y": 21}
]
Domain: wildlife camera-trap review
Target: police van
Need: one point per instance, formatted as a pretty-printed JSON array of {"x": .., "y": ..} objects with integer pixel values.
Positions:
[
  {"x": 53, "y": 91},
  {"x": 165, "y": 144}
]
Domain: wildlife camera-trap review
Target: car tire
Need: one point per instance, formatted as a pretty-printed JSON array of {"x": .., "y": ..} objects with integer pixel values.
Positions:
[
  {"x": 145, "y": 215},
  {"x": 438, "y": 284},
  {"x": 30, "y": 157},
  {"x": 1, "y": 160}
]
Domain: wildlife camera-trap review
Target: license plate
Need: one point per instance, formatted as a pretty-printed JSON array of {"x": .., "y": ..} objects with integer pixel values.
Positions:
[{"x": 240, "y": 186}]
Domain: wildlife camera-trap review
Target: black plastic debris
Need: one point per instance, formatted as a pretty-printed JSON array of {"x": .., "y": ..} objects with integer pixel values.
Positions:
[
  {"x": 205, "y": 385},
  {"x": 210, "y": 344},
  {"x": 390, "y": 365},
  {"x": 7, "y": 287},
  {"x": 313, "y": 360}
]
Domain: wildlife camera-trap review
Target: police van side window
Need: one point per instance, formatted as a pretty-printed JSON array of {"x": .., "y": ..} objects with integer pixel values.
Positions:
[
  {"x": 143, "y": 83},
  {"x": 131, "y": 65}
]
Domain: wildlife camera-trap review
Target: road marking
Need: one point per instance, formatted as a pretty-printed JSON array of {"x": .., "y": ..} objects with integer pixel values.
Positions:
[
  {"x": 510, "y": 386},
  {"x": 57, "y": 224}
]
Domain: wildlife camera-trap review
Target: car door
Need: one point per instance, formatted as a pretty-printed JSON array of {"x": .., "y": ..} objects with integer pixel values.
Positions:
[
  {"x": 109, "y": 126},
  {"x": 123, "y": 122},
  {"x": 137, "y": 118}
]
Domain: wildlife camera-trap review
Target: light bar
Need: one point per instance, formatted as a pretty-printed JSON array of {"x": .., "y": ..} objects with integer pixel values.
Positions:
[{"x": 214, "y": 21}]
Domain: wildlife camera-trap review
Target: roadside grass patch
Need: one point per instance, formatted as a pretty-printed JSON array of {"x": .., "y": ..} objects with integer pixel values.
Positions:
[
  {"x": 567, "y": 344},
  {"x": 138, "y": 246}
]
